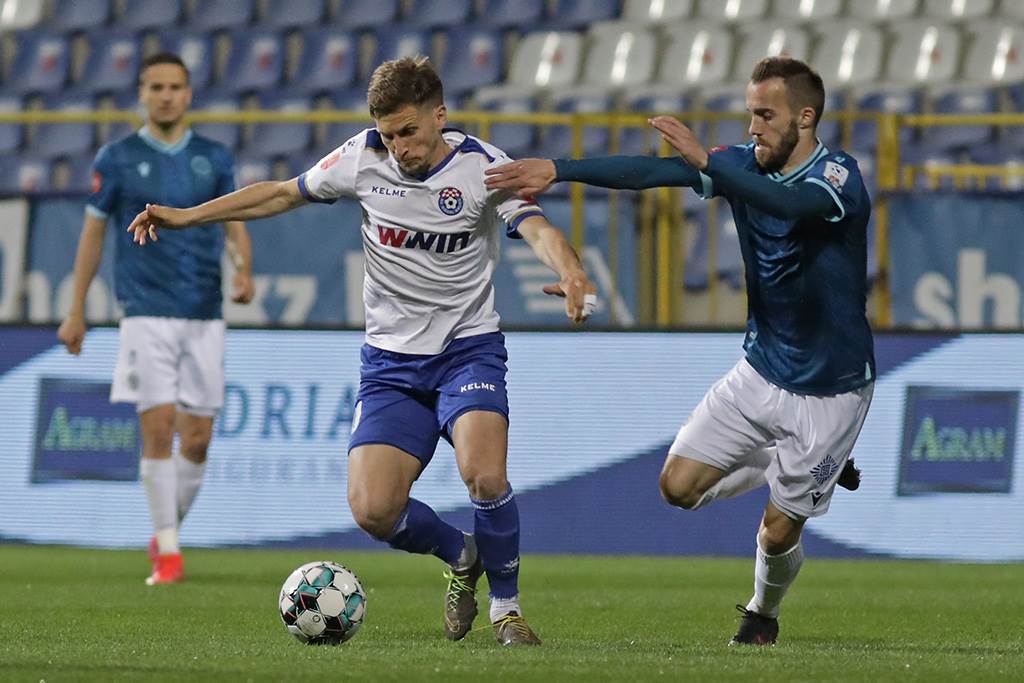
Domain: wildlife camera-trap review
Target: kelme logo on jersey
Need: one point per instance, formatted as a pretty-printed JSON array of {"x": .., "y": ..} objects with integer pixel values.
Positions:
[
  {"x": 427, "y": 241},
  {"x": 450, "y": 201}
]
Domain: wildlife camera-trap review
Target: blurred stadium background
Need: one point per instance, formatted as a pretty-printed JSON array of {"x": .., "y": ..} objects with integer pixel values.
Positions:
[{"x": 924, "y": 93}]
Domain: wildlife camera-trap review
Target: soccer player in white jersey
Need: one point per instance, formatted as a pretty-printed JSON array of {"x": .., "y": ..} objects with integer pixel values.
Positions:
[
  {"x": 171, "y": 357},
  {"x": 790, "y": 411},
  {"x": 434, "y": 361}
]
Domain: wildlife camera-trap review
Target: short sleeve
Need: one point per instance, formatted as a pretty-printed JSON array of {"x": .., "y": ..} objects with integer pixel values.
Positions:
[
  {"x": 225, "y": 173},
  {"x": 737, "y": 155},
  {"x": 511, "y": 208},
  {"x": 106, "y": 185},
  {"x": 840, "y": 176},
  {"x": 334, "y": 176}
]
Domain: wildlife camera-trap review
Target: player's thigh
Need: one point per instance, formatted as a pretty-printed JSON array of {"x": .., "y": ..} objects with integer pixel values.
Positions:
[
  {"x": 146, "y": 372},
  {"x": 729, "y": 423},
  {"x": 397, "y": 417},
  {"x": 201, "y": 369},
  {"x": 379, "y": 479},
  {"x": 684, "y": 480},
  {"x": 816, "y": 435},
  {"x": 480, "y": 438}
]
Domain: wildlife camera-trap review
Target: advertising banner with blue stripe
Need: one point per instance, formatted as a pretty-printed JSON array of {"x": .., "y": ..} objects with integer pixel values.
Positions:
[
  {"x": 956, "y": 260},
  {"x": 592, "y": 418}
]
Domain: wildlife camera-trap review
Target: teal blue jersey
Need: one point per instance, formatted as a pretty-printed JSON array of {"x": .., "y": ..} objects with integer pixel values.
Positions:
[{"x": 179, "y": 275}]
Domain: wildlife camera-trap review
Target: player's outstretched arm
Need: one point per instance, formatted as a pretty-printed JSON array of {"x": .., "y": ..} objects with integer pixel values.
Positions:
[
  {"x": 71, "y": 332},
  {"x": 258, "y": 200},
  {"x": 527, "y": 177},
  {"x": 551, "y": 247}
]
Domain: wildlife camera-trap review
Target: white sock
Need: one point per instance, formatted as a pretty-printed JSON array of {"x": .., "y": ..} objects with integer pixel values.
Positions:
[
  {"x": 159, "y": 479},
  {"x": 190, "y": 478},
  {"x": 502, "y": 606},
  {"x": 747, "y": 477},
  {"x": 773, "y": 575}
]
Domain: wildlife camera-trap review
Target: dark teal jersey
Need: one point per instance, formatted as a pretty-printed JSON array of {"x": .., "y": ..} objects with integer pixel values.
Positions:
[{"x": 179, "y": 275}]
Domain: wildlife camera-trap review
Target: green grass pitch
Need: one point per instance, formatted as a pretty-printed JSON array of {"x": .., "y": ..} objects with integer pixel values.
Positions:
[{"x": 78, "y": 614}]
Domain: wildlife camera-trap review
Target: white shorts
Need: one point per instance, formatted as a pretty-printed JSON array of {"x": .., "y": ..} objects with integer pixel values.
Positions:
[
  {"x": 170, "y": 360},
  {"x": 744, "y": 412}
]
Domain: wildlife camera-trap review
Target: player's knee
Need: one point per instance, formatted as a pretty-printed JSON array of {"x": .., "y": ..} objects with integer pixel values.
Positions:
[
  {"x": 376, "y": 518},
  {"x": 775, "y": 539},
  {"x": 194, "y": 447},
  {"x": 677, "y": 493},
  {"x": 485, "y": 485}
]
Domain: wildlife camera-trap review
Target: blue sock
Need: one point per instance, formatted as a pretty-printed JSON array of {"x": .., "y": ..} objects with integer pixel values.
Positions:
[
  {"x": 420, "y": 530},
  {"x": 496, "y": 530}
]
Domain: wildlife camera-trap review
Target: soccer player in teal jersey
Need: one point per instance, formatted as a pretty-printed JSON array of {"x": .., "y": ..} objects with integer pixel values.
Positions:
[
  {"x": 171, "y": 356},
  {"x": 790, "y": 411}
]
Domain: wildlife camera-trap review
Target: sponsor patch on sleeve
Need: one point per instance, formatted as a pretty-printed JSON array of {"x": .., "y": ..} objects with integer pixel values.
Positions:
[{"x": 836, "y": 174}]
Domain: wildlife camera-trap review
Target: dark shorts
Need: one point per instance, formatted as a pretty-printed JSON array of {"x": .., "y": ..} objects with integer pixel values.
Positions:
[{"x": 410, "y": 400}]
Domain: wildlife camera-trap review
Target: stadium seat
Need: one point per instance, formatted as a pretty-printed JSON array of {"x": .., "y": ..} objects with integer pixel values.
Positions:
[
  {"x": 300, "y": 162},
  {"x": 886, "y": 100},
  {"x": 10, "y": 133},
  {"x": 959, "y": 10},
  {"x": 19, "y": 15},
  {"x": 1010, "y": 11},
  {"x": 24, "y": 174},
  {"x": 256, "y": 61},
  {"x": 883, "y": 10},
  {"x": 473, "y": 58},
  {"x": 505, "y": 14},
  {"x": 734, "y": 10},
  {"x": 218, "y": 15},
  {"x": 400, "y": 40},
  {"x": 352, "y": 100},
  {"x": 79, "y": 174},
  {"x": 196, "y": 50},
  {"x": 924, "y": 156},
  {"x": 579, "y": 14},
  {"x": 113, "y": 62},
  {"x": 830, "y": 131},
  {"x": 228, "y": 134},
  {"x": 360, "y": 14},
  {"x": 656, "y": 11},
  {"x": 249, "y": 170},
  {"x": 436, "y": 13},
  {"x": 962, "y": 99},
  {"x": 802, "y": 10},
  {"x": 644, "y": 139},
  {"x": 730, "y": 131},
  {"x": 999, "y": 155},
  {"x": 923, "y": 53},
  {"x": 293, "y": 14},
  {"x": 79, "y": 15},
  {"x": 698, "y": 54},
  {"x": 768, "y": 40},
  {"x": 126, "y": 100},
  {"x": 994, "y": 55},
  {"x": 277, "y": 139},
  {"x": 328, "y": 61},
  {"x": 41, "y": 63},
  {"x": 848, "y": 54},
  {"x": 515, "y": 139},
  {"x": 142, "y": 15},
  {"x": 556, "y": 141},
  {"x": 542, "y": 60},
  {"x": 728, "y": 260},
  {"x": 63, "y": 139}
]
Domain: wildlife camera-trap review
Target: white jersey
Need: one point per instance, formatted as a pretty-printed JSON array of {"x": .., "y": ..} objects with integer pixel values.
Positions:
[{"x": 431, "y": 243}]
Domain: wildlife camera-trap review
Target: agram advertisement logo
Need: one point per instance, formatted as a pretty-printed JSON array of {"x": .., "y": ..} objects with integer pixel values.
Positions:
[
  {"x": 958, "y": 441},
  {"x": 80, "y": 434}
]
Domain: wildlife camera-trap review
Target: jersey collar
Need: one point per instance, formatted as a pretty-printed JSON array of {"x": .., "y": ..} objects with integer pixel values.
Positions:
[
  {"x": 819, "y": 152},
  {"x": 161, "y": 146},
  {"x": 467, "y": 144}
]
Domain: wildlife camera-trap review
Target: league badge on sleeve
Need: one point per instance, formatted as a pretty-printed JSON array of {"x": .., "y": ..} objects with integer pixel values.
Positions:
[
  {"x": 836, "y": 174},
  {"x": 450, "y": 201}
]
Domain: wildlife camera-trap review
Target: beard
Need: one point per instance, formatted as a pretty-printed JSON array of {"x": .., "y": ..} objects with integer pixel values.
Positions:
[{"x": 780, "y": 155}]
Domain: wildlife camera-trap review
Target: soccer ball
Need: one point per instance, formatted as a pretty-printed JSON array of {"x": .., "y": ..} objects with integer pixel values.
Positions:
[{"x": 322, "y": 603}]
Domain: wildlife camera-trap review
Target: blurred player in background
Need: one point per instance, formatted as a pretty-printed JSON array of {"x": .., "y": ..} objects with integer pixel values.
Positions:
[
  {"x": 434, "y": 361},
  {"x": 791, "y": 410},
  {"x": 171, "y": 357}
]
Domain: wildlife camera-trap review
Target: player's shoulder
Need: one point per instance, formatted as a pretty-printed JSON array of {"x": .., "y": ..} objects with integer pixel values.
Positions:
[
  {"x": 840, "y": 156},
  {"x": 838, "y": 167},
  {"x": 473, "y": 148},
  {"x": 211, "y": 148}
]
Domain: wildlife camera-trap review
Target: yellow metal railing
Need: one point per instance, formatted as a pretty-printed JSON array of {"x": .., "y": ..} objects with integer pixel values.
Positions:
[{"x": 660, "y": 239}]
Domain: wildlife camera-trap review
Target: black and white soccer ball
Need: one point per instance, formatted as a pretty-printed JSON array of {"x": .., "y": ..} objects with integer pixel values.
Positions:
[{"x": 322, "y": 603}]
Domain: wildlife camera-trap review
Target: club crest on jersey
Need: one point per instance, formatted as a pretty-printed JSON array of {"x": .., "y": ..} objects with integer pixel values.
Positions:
[
  {"x": 201, "y": 165},
  {"x": 143, "y": 169},
  {"x": 836, "y": 174},
  {"x": 450, "y": 201}
]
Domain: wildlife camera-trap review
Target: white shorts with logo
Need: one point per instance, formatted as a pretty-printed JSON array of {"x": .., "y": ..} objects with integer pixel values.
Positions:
[
  {"x": 744, "y": 412},
  {"x": 170, "y": 360}
]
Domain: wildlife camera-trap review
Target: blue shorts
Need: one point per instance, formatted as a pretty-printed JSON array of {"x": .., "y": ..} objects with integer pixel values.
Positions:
[{"x": 409, "y": 400}]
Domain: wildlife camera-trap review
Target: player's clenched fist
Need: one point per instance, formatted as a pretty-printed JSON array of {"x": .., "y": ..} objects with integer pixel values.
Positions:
[
  {"x": 155, "y": 216},
  {"x": 580, "y": 295}
]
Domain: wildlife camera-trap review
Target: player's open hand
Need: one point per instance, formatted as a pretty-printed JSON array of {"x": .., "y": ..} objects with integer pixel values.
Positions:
[
  {"x": 580, "y": 295},
  {"x": 682, "y": 140},
  {"x": 242, "y": 288},
  {"x": 525, "y": 177},
  {"x": 155, "y": 216},
  {"x": 71, "y": 333}
]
